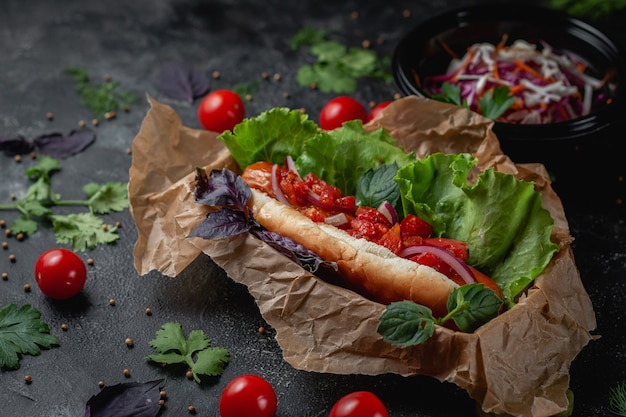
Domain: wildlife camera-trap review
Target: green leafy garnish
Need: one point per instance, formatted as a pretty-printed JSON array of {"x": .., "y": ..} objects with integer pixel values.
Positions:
[
  {"x": 617, "y": 399},
  {"x": 376, "y": 186},
  {"x": 338, "y": 67},
  {"x": 173, "y": 347},
  {"x": 83, "y": 230},
  {"x": 495, "y": 102},
  {"x": 589, "y": 8},
  {"x": 22, "y": 332},
  {"x": 406, "y": 323},
  {"x": 100, "y": 98},
  {"x": 492, "y": 104}
]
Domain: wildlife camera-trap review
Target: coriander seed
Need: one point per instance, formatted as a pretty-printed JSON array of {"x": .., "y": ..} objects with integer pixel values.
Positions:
[
  {"x": 28, "y": 379},
  {"x": 5, "y": 276},
  {"x": 148, "y": 312},
  {"x": 191, "y": 409},
  {"x": 161, "y": 403},
  {"x": 64, "y": 327},
  {"x": 189, "y": 374},
  {"x": 5, "y": 245},
  {"x": 129, "y": 342},
  {"x": 112, "y": 302},
  {"x": 49, "y": 116},
  {"x": 89, "y": 261},
  {"x": 12, "y": 258},
  {"x": 100, "y": 384},
  {"x": 17, "y": 158},
  {"x": 163, "y": 394},
  {"x": 216, "y": 75},
  {"x": 127, "y": 373},
  {"x": 26, "y": 287}
]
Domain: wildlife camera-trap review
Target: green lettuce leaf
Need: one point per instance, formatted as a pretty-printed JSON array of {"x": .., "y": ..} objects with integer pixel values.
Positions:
[{"x": 501, "y": 218}]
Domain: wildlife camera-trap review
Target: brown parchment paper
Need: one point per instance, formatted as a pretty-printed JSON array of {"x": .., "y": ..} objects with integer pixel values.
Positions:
[{"x": 518, "y": 363}]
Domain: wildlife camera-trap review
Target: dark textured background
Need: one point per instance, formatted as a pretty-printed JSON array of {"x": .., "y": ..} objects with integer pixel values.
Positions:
[{"x": 130, "y": 40}]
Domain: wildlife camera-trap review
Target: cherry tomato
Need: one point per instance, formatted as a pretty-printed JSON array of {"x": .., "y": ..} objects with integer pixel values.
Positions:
[
  {"x": 248, "y": 395},
  {"x": 359, "y": 404},
  {"x": 221, "y": 110},
  {"x": 60, "y": 273},
  {"x": 377, "y": 109},
  {"x": 339, "y": 110}
]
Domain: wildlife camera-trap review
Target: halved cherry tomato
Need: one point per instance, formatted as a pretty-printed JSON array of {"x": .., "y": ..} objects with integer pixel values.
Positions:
[
  {"x": 377, "y": 109},
  {"x": 60, "y": 273},
  {"x": 248, "y": 395},
  {"x": 221, "y": 110},
  {"x": 359, "y": 404},
  {"x": 339, "y": 110}
]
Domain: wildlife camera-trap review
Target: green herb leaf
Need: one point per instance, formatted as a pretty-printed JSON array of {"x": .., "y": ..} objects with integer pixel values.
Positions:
[
  {"x": 22, "y": 332},
  {"x": 496, "y": 102},
  {"x": 406, "y": 323},
  {"x": 589, "y": 8},
  {"x": 103, "y": 199},
  {"x": 377, "y": 185},
  {"x": 473, "y": 305},
  {"x": 172, "y": 347},
  {"x": 451, "y": 93},
  {"x": 99, "y": 98},
  {"x": 617, "y": 399},
  {"x": 82, "y": 231},
  {"x": 338, "y": 67}
]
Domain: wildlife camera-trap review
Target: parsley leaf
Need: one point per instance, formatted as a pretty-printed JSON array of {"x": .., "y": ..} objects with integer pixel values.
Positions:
[
  {"x": 496, "y": 102},
  {"x": 84, "y": 230},
  {"x": 338, "y": 67},
  {"x": 450, "y": 94},
  {"x": 406, "y": 323},
  {"x": 172, "y": 347},
  {"x": 22, "y": 332}
]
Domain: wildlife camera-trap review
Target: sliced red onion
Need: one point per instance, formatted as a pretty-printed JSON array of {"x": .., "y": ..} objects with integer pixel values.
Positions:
[
  {"x": 455, "y": 263},
  {"x": 336, "y": 220},
  {"x": 389, "y": 212},
  {"x": 291, "y": 165},
  {"x": 280, "y": 196}
]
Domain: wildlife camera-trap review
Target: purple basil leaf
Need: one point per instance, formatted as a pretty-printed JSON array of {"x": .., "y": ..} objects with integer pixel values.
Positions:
[
  {"x": 223, "y": 188},
  {"x": 292, "y": 250},
  {"x": 15, "y": 146},
  {"x": 59, "y": 146},
  {"x": 181, "y": 81},
  {"x": 222, "y": 223},
  {"x": 131, "y": 399}
]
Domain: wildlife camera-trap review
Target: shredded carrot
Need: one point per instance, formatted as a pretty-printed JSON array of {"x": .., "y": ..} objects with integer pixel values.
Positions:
[
  {"x": 505, "y": 38},
  {"x": 523, "y": 66},
  {"x": 496, "y": 73},
  {"x": 416, "y": 76},
  {"x": 464, "y": 65},
  {"x": 447, "y": 48},
  {"x": 563, "y": 113},
  {"x": 517, "y": 89}
]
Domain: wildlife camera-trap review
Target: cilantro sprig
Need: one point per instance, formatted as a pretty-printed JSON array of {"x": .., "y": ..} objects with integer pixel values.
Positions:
[
  {"x": 173, "y": 347},
  {"x": 338, "y": 67},
  {"x": 22, "y": 332},
  {"x": 406, "y": 323},
  {"x": 81, "y": 230}
]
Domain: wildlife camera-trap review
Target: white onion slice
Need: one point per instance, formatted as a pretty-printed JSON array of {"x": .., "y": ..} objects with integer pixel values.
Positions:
[
  {"x": 388, "y": 211},
  {"x": 280, "y": 196},
  {"x": 336, "y": 220},
  {"x": 455, "y": 263}
]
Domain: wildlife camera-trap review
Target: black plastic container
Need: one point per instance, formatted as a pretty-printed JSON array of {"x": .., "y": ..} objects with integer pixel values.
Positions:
[{"x": 584, "y": 155}]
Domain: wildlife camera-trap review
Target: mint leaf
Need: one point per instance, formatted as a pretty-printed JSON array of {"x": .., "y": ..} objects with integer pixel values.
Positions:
[
  {"x": 405, "y": 323},
  {"x": 473, "y": 305},
  {"x": 172, "y": 347},
  {"x": 22, "y": 332}
]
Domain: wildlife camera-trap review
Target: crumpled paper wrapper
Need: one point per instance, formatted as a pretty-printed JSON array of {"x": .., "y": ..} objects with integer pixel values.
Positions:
[{"x": 517, "y": 363}]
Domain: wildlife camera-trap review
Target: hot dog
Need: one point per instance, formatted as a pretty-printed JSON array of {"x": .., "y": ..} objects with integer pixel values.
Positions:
[{"x": 500, "y": 218}]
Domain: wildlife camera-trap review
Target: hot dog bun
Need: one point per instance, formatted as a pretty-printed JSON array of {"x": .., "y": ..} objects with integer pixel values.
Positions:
[{"x": 366, "y": 267}]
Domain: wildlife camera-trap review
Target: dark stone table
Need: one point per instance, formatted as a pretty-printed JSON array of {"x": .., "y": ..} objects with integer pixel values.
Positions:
[{"x": 129, "y": 41}]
